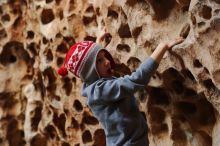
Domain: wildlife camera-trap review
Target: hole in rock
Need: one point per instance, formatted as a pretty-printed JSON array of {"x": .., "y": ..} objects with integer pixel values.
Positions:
[
  {"x": 162, "y": 8},
  {"x": 193, "y": 19},
  {"x": 133, "y": 63},
  {"x": 30, "y": 34},
  {"x": 157, "y": 115},
  {"x": 159, "y": 128},
  {"x": 45, "y": 41},
  {"x": 87, "y": 20},
  {"x": 33, "y": 48},
  {"x": 108, "y": 39},
  {"x": 1, "y": 10},
  {"x": 147, "y": 44},
  {"x": 38, "y": 140},
  {"x": 50, "y": 131},
  {"x": 206, "y": 12},
  {"x": 89, "y": 120},
  {"x": 62, "y": 48},
  {"x": 74, "y": 80},
  {"x": 207, "y": 139},
  {"x": 177, "y": 86},
  {"x": 65, "y": 144},
  {"x": 58, "y": 2},
  {"x": 206, "y": 70},
  {"x": 69, "y": 40},
  {"x": 47, "y": 16},
  {"x": 67, "y": 86},
  {"x": 38, "y": 83},
  {"x": 206, "y": 114},
  {"x": 7, "y": 100},
  {"x": 13, "y": 50},
  {"x": 3, "y": 33},
  {"x": 171, "y": 74},
  {"x": 99, "y": 138},
  {"x": 97, "y": 10},
  {"x": 196, "y": 63},
  {"x": 136, "y": 31},
  {"x": 215, "y": 23},
  {"x": 18, "y": 22},
  {"x": 61, "y": 15},
  {"x": 184, "y": 2},
  {"x": 51, "y": 95},
  {"x": 60, "y": 122},
  {"x": 158, "y": 96},
  {"x": 14, "y": 136},
  {"x": 185, "y": 9},
  {"x": 201, "y": 24},
  {"x": 75, "y": 123},
  {"x": 90, "y": 9},
  {"x": 142, "y": 95},
  {"x": 190, "y": 92},
  {"x": 208, "y": 84},
  {"x": 185, "y": 31},
  {"x": 131, "y": 2},
  {"x": 186, "y": 107},
  {"x": 112, "y": 13},
  {"x": 177, "y": 133},
  {"x": 123, "y": 48},
  {"x": 188, "y": 74},
  {"x": 48, "y": 1},
  {"x": 179, "y": 116},
  {"x": 49, "y": 73},
  {"x": 37, "y": 116},
  {"x": 90, "y": 38},
  {"x": 124, "y": 31},
  {"x": 49, "y": 55},
  {"x": 5, "y": 17},
  {"x": 77, "y": 105},
  {"x": 12, "y": 59},
  {"x": 86, "y": 136}
]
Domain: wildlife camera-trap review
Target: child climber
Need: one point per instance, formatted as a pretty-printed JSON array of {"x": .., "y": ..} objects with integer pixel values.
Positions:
[{"x": 111, "y": 99}]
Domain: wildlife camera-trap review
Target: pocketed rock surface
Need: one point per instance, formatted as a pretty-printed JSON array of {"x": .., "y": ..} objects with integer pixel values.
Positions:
[{"x": 39, "y": 108}]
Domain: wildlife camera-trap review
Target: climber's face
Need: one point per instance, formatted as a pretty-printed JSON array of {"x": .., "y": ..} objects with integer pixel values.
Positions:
[{"x": 103, "y": 65}]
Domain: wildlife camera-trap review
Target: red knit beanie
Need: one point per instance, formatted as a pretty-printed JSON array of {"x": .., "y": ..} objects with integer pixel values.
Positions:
[{"x": 74, "y": 58}]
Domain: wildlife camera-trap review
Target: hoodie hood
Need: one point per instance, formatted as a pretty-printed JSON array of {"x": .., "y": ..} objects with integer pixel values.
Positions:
[{"x": 89, "y": 72}]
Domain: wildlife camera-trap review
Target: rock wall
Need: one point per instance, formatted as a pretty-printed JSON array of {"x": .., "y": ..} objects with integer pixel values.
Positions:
[{"x": 181, "y": 103}]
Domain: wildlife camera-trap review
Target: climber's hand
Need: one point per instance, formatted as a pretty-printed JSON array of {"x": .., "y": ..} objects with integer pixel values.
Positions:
[{"x": 174, "y": 42}]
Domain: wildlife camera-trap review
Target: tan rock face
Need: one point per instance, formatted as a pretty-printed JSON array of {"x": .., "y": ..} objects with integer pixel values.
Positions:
[{"x": 181, "y": 103}]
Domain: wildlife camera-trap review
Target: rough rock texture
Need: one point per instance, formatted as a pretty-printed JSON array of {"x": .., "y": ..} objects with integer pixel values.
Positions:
[{"x": 181, "y": 102}]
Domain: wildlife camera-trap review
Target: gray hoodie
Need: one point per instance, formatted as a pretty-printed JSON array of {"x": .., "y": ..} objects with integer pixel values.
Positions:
[{"x": 113, "y": 103}]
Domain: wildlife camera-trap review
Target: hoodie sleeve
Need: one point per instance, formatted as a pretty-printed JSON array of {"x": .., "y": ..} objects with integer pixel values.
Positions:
[{"x": 116, "y": 89}]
